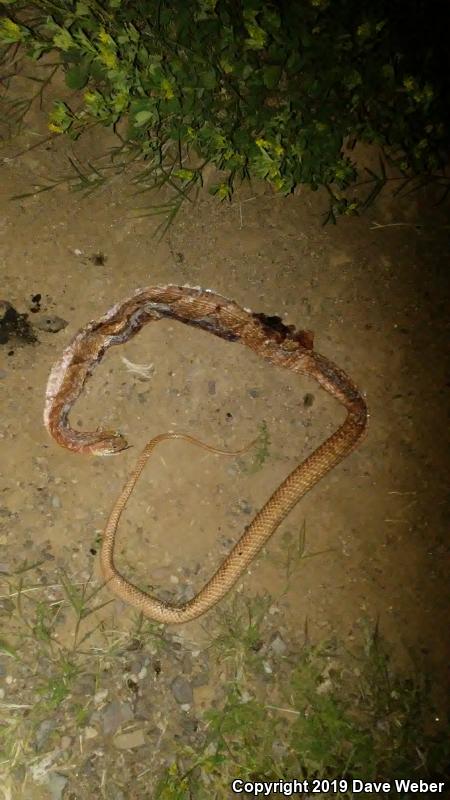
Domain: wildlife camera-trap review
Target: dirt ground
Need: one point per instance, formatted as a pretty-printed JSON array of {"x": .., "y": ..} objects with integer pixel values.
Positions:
[{"x": 372, "y": 289}]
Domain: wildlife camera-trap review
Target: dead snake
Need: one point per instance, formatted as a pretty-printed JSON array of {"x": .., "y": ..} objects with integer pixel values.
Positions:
[{"x": 267, "y": 336}]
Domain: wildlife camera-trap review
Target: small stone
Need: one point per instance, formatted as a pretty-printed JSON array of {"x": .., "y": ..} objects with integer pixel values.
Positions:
[
  {"x": 66, "y": 741},
  {"x": 308, "y": 400},
  {"x": 56, "y": 784},
  {"x": 114, "y": 715},
  {"x": 189, "y": 725},
  {"x": 211, "y": 387},
  {"x": 90, "y": 732},
  {"x": 43, "y": 732},
  {"x": 277, "y": 645},
  {"x": 182, "y": 690},
  {"x": 325, "y": 687},
  {"x": 56, "y": 501},
  {"x": 254, "y": 392},
  {"x": 100, "y": 696},
  {"x": 201, "y": 679},
  {"x": 49, "y": 322},
  {"x": 244, "y": 507},
  {"x": 186, "y": 666},
  {"x": 130, "y": 740}
]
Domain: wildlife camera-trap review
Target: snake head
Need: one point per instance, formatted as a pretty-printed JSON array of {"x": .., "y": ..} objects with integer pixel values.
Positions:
[{"x": 107, "y": 443}]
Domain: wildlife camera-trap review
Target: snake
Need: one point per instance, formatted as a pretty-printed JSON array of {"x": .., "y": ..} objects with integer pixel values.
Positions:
[{"x": 267, "y": 336}]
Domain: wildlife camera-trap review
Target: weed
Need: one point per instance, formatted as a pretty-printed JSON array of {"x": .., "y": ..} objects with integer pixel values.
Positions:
[
  {"x": 237, "y": 86},
  {"x": 320, "y": 710},
  {"x": 262, "y": 451}
]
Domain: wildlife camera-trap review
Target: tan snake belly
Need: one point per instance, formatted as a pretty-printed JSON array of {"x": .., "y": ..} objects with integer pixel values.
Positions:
[{"x": 267, "y": 336}]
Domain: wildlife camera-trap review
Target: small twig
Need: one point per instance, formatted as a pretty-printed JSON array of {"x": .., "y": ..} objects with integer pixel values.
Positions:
[
  {"x": 377, "y": 225},
  {"x": 287, "y": 710},
  {"x": 37, "y": 588}
]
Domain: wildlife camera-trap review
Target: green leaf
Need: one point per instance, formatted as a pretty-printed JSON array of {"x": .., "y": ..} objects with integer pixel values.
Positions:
[
  {"x": 142, "y": 117},
  {"x": 8, "y": 649},
  {"x": 77, "y": 76},
  {"x": 207, "y": 79},
  {"x": 271, "y": 76}
]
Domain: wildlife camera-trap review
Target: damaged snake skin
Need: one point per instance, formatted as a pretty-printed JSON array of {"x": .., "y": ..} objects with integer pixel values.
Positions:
[{"x": 267, "y": 336}]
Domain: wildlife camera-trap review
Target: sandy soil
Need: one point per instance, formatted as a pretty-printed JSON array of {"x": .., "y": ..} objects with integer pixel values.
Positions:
[{"x": 374, "y": 298}]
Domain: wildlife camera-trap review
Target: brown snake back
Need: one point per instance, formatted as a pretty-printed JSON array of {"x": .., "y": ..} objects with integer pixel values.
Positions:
[{"x": 267, "y": 336}]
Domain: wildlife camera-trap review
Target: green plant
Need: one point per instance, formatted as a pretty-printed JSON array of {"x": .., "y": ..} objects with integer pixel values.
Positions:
[
  {"x": 262, "y": 451},
  {"x": 340, "y": 714},
  {"x": 257, "y": 88}
]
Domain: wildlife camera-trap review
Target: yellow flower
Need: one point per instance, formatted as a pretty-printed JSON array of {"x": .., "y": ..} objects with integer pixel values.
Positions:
[
  {"x": 104, "y": 37},
  {"x": 184, "y": 174},
  {"x": 108, "y": 58},
  {"x": 363, "y": 31},
  {"x": 63, "y": 40},
  {"x": 167, "y": 89},
  {"x": 223, "y": 191},
  {"x": 55, "y": 128},
  {"x": 10, "y": 32}
]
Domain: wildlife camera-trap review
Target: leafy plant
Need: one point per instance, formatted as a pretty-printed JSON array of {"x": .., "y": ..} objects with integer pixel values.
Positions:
[
  {"x": 256, "y": 88},
  {"x": 340, "y": 714}
]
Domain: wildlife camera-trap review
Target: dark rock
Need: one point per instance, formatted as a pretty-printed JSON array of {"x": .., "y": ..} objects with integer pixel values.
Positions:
[
  {"x": 50, "y": 323},
  {"x": 114, "y": 715},
  {"x": 182, "y": 690}
]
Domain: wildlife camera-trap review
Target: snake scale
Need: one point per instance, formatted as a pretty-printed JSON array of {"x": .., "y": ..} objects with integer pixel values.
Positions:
[{"x": 267, "y": 336}]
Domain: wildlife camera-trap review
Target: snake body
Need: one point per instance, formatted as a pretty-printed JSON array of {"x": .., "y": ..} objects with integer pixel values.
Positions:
[{"x": 267, "y": 336}]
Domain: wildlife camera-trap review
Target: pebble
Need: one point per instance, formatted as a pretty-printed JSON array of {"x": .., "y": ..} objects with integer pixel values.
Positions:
[
  {"x": 201, "y": 679},
  {"x": 189, "y": 725},
  {"x": 50, "y": 323},
  {"x": 43, "y": 732},
  {"x": 244, "y": 506},
  {"x": 277, "y": 645},
  {"x": 127, "y": 741},
  {"x": 56, "y": 501},
  {"x": 182, "y": 690},
  {"x": 114, "y": 715},
  {"x": 100, "y": 696},
  {"x": 66, "y": 742},
  {"x": 56, "y": 784},
  {"x": 90, "y": 732}
]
